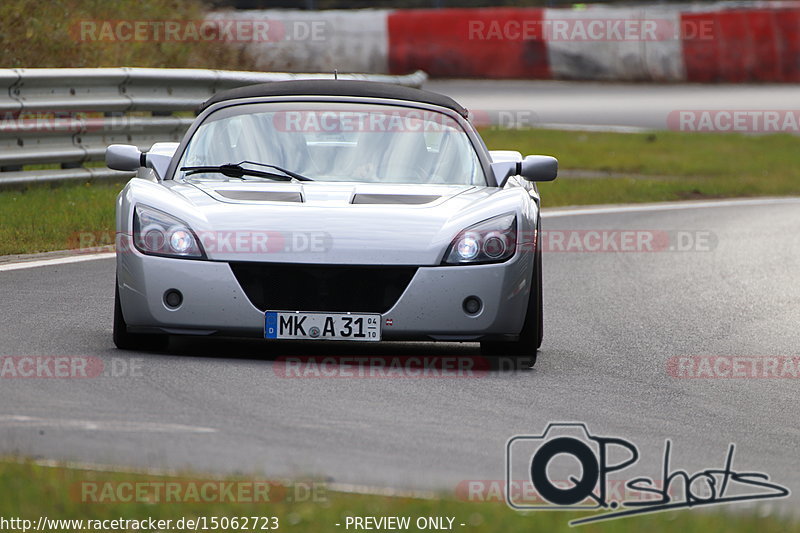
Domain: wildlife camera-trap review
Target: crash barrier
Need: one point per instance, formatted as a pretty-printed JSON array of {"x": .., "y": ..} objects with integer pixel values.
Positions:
[
  {"x": 669, "y": 43},
  {"x": 468, "y": 42},
  {"x": 723, "y": 42},
  {"x": 747, "y": 45},
  {"x": 65, "y": 118}
]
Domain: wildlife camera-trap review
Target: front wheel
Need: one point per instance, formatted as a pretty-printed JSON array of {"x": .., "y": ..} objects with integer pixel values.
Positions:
[
  {"x": 133, "y": 341},
  {"x": 530, "y": 338}
]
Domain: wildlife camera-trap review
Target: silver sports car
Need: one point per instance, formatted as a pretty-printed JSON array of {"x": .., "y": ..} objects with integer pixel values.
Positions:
[{"x": 330, "y": 210}]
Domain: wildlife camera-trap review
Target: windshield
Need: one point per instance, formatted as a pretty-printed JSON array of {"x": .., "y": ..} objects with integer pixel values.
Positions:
[{"x": 337, "y": 142}]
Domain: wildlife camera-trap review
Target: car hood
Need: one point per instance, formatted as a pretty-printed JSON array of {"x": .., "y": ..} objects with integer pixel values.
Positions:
[{"x": 338, "y": 223}]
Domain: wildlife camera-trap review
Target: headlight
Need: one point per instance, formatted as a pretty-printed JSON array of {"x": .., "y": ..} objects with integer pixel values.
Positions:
[
  {"x": 157, "y": 233},
  {"x": 490, "y": 241}
]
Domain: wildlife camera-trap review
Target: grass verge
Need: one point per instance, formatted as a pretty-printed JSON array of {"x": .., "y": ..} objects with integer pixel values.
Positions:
[
  {"x": 647, "y": 167},
  {"x": 31, "y": 491},
  {"x": 41, "y": 219}
]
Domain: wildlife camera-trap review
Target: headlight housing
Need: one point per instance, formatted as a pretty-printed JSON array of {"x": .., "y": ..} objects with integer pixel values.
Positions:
[
  {"x": 157, "y": 233},
  {"x": 491, "y": 241}
]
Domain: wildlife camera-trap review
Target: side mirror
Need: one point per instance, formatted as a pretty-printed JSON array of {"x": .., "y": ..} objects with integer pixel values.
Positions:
[
  {"x": 539, "y": 168},
  {"x": 532, "y": 168},
  {"x": 124, "y": 157}
]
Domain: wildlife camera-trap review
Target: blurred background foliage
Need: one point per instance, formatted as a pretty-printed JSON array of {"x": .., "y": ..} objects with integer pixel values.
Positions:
[
  {"x": 409, "y": 4},
  {"x": 47, "y": 34}
]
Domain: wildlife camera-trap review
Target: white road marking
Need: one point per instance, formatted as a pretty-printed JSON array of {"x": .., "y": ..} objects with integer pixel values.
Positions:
[
  {"x": 592, "y": 127},
  {"x": 664, "y": 206},
  {"x": 99, "y": 425},
  {"x": 389, "y": 492},
  {"x": 56, "y": 261}
]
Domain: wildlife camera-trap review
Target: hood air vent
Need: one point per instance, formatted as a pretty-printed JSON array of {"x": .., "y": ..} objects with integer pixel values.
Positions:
[
  {"x": 262, "y": 196},
  {"x": 402, "y": 199}
]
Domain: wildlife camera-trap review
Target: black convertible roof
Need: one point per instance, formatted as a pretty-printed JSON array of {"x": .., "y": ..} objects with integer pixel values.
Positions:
[{"x": 371, "y": 89}]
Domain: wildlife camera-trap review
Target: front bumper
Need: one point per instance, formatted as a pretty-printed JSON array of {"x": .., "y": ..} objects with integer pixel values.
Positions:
[{"x": 430, "y": 308}]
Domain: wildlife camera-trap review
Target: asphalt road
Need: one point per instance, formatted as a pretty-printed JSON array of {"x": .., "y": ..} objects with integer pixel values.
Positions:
[
  {"x": 613, "y": 320},
  {"x": 639, "y": 105}
]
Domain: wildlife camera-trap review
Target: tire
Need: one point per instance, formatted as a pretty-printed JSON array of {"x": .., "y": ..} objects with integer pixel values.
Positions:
[
  {"x": 530, "y": 338},
  {"x": 133, "y": 341}
]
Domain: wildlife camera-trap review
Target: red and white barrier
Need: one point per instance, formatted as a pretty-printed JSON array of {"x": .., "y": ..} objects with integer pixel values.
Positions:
[
  {"x": 700, "y": 43},
  {"x": 615, "y": 43},
  {"x": 748, "y": 45},
  {"x": 315, "y": 41},
  {"x": 487, "y": 43}
]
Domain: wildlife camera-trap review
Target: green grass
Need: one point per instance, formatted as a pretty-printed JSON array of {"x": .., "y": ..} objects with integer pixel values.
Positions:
[
  {"x": 41, "y": 219},
  {"x": 30, "y": 491},
  {"x": 659, "y": 166},
  {"x": 649, "y": 167}
]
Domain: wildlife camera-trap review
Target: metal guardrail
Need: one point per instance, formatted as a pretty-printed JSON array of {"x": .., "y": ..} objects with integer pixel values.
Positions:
[{"x": 67, "y": 117}]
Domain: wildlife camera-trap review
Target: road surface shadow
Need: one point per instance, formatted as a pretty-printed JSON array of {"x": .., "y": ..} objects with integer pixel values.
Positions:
[{"x": 411, "y": 355}]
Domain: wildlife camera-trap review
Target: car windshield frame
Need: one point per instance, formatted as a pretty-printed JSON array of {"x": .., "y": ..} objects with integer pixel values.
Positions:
[{"x": 414, "y": 145}]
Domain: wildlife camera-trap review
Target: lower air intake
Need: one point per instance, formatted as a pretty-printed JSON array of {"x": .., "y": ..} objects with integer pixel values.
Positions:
[{"x": 298, "y": 287}]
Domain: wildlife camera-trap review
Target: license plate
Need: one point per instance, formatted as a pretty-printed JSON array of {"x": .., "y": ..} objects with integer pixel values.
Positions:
[{"x": 322, "y": 326}]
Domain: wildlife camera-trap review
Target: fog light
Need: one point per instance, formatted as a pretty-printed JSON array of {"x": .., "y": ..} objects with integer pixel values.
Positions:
[
  {"x": 472, "y": 305},
  {"x": 173, "y": 298}
]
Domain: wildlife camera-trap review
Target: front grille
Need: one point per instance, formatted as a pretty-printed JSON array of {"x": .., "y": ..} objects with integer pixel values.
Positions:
[{"x": 297, "y": 287}]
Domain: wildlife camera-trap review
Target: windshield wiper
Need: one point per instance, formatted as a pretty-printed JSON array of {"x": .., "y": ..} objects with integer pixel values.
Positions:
[{"x": 236, "y": 170}]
